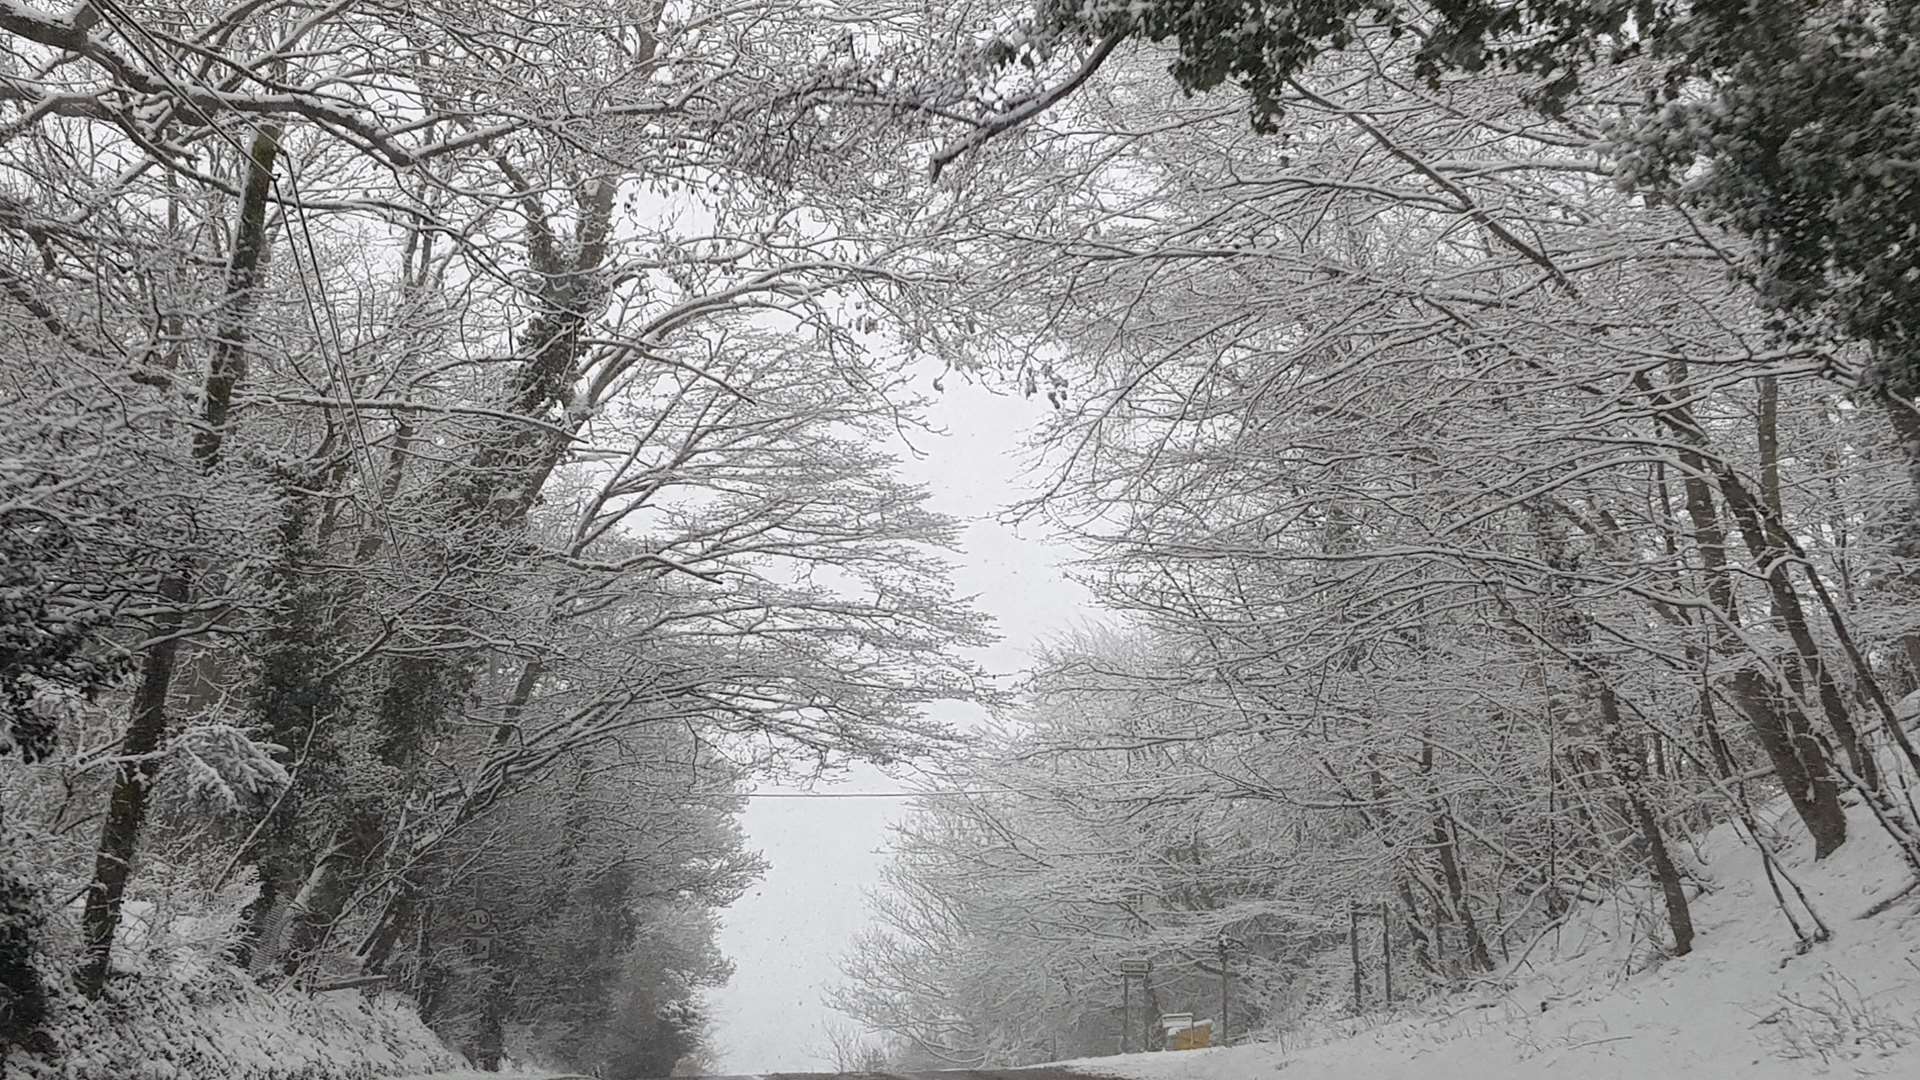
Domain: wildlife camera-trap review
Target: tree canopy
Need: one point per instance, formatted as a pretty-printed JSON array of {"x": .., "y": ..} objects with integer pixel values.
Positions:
[{"x": 1792, "y": 123}]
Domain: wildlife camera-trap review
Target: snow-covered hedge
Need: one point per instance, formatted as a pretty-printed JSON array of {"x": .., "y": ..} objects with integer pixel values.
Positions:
[{"x": 209, "y": 1022}]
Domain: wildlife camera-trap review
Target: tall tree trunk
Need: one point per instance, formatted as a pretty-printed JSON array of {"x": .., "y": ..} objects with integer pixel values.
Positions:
[
  {"x": 490, "y": 496},
  {"x": 293, "y": 697},
  {"x": 323, "y": 896},
  {"x": 1775, "y": 718},
  {"x": 1906, "y": 539},
  {"x": 1459, "y": 904},
  {"x": 1767, "y": 442},
  {"x": 1774, "y": 559},
  {"x": 1629, "y": 770},
  {"x": 1784, "y": 734},
  {"x": 1571, "y": 630},
  {"x": 491, "y": 1045},
  {"x": 127, "y": 805},
  {"x": 396, "y": 918},
  {"x": 1416, "y": 924},
  {"x": 147, "y": 723},
  {"x": 1773, "y": 713},
  {"x": 23, "y": 997},
  {"x": 1456, "y": 902},
  {"x": 1709, "y": 732}
]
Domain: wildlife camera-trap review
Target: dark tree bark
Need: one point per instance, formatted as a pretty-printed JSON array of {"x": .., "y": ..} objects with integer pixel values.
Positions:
[
  {"x": 423, "y": 689},
  {"x": 147, "y": 724},
  {"x": 1571, "y": 631},
  {"x": 1784, "y": 733},
  {"x": 1774, "y": 716},
  {"x": 1458, "y": 904},
  {"x": 332, "y": 881},
  {"x": 23, "y": 996},
  {"x": 1774, "y": 558},
  {"x": 1629, "y": 770},
  {"x": 127, "y": 806}
]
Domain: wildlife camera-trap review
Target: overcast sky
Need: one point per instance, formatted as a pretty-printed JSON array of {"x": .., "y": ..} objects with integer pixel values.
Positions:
[{"x": 786, "y": 935}]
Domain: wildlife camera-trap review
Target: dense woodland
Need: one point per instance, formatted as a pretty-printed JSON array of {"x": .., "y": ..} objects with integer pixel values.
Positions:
[
  {"x": 448, "y": 451},
  {"x": 1499, "y": 460}
]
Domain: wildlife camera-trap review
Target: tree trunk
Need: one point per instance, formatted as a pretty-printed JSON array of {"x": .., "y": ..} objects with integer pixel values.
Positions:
[
  {"x": 396, "y": 918},
  {"x": 1801, "y": 766},
  {"x": 491, "y": 495},
  {"x": 1629, "y": 770},
  {"x": 492, "y": 1043},
  {"x": 1770, "y": 549},
  {"x": 1459, "y": 904},
  {"x": 1772, "y": 557},
  {"x": 1716, "y": 742},
  {"x": 23, "y": 997},
  {"x": 1423, "y": 954},
  {"x": 323, "y": 896},
  {"x": 1767, "y": 441},
  {"x": 127, "y": 806},
  {"x": 1906, "y": 427},
  {"x": 1573, "y": 630},
  {"x": 1774, "y": 717}
]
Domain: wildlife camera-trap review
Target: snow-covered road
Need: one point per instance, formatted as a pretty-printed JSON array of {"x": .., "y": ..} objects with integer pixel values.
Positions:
[{"x": 1038, "y": 1073}]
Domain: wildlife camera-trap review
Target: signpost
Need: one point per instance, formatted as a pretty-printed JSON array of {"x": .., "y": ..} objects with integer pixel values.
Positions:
[{"x": 477, "y": 932}]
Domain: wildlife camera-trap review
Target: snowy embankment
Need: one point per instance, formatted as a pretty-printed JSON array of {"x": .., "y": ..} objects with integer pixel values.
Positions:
[
  {"x": 192, "y": 1022},
  {"x": 1589, "y": 1006}
]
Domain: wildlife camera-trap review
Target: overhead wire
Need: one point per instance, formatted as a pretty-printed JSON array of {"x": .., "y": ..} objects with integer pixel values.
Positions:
[
  {"x": 938, "y": 793},
  {"x": 313, "y": 297}
]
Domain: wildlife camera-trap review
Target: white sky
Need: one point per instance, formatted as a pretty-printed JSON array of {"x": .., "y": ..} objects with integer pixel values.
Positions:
[{"x": 786, "y": 935}]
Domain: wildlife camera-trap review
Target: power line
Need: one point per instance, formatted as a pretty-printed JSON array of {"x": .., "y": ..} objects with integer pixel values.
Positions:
[
  {"x": 871, "y": 794},
  {"x": 964, "y": 792},
  {"x": 126, "y": 25}
]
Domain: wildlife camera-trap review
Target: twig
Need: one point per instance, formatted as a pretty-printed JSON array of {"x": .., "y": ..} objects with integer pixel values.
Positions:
[
  {"x": 354, "y": 983},
  {"x": 1880, "y": 906}
]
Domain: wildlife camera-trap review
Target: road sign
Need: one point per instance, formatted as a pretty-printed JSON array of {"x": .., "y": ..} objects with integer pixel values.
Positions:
[
  {"x": 478, "y": 922},
  {"x": 1138, "y": 966}
]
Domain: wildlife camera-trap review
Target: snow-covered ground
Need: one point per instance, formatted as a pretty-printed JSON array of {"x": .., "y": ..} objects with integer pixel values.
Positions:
[{"x": 1744, "y": 1004}]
